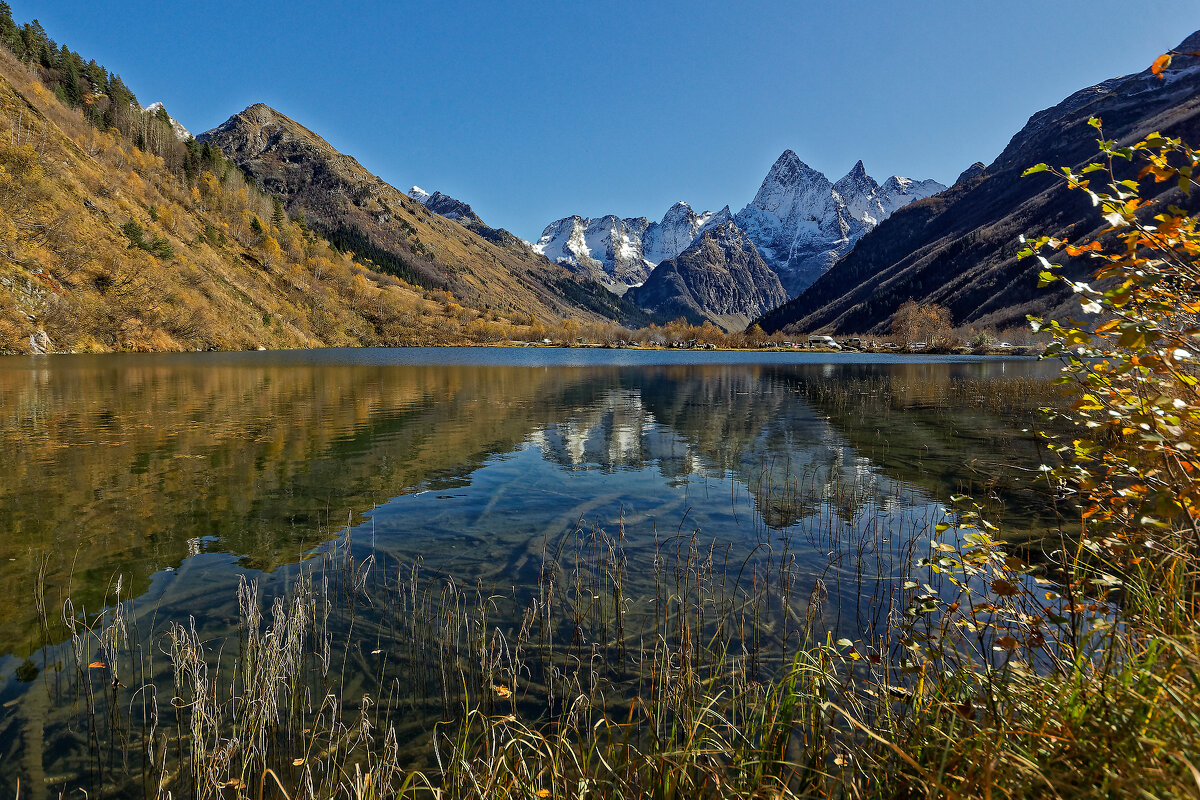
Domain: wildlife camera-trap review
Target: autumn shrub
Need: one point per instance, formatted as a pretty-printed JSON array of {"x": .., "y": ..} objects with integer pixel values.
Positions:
[{"x": 1078, "y": 677}]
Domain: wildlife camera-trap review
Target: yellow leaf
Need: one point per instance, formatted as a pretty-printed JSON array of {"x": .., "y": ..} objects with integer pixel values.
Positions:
[{"x": 1072, "y": 250}]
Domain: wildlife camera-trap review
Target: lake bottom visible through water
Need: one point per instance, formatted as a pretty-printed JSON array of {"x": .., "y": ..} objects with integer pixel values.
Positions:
[{"x": 432, "y": 532}]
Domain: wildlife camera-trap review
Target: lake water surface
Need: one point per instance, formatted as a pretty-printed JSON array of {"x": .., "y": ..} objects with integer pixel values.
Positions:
[{"x": 169, "y": 476}]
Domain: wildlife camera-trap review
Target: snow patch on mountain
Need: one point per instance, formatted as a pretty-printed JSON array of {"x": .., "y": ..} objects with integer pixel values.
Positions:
[
  {"x": 181, "y": 133},
  {"x": 620, "y": 253},
  {"x": 419, "y": 194}
]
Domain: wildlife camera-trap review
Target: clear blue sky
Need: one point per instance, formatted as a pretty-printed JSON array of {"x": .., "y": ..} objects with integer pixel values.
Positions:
[{"x": 533, "y": 111}]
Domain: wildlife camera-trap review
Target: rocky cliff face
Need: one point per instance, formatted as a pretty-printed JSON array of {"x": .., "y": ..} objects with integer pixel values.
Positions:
[
  {"x": 720, "y": 277},
  {"x": 958, "y": 249},
  {"x": 802, "y": 224},
  {"x": 481, "y": 266}
]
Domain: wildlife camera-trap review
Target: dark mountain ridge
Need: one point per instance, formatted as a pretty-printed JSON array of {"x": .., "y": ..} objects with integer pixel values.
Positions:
[
  {"x": 958, "y": 248},
  {"x": 719, "y": 278}
]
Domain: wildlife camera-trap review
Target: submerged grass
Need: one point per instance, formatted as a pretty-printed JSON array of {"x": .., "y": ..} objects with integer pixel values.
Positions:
[
  {"x": 922, "y": 659},
  {"x": 700, "y": 675}
]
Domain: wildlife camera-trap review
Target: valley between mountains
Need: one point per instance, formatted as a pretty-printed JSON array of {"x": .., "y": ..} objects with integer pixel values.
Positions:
[{"x": 122, "y": 231}]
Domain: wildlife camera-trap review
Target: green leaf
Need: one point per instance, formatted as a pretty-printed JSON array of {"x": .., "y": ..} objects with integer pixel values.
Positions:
[{"x": 1035, "y": 168}]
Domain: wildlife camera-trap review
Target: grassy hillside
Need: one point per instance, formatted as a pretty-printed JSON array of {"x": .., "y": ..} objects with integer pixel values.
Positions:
[
  {"x": 107, "y": 247},
  {"x": 116, "y": 236}
]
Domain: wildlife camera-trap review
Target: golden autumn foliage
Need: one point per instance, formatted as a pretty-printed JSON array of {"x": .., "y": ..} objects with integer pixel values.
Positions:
[
  {"x": 104, "y": 246},
  {"x": 1134, "y": 360}
]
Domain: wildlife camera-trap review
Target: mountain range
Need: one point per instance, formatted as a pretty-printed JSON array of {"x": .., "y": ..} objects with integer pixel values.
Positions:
[
  {"x": 123, "y": 232},
  {"x": 958, "y": 248},
  {"x": 809, "y": 254},
  {"x": 799, "y": 221}
]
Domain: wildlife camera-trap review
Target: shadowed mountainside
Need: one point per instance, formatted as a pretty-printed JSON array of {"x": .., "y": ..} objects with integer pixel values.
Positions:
[{"x": 958, "y": 248}]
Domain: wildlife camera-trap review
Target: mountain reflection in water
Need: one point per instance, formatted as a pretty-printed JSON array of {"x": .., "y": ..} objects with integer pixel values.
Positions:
[{"x": 138, "y": 465}]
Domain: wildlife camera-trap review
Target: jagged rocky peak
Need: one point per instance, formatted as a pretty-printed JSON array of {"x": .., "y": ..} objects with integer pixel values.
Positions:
[
  {"x": 679, "y": 228},
  {"x": 789, "y": 170},
  {"x": 978, "y": 168},
  {"x": 801, "y": 223},
  {"x": 444, "y": 205},
  {"x": 856, "y": 179},
  {"x": 260, "y": 129},
  {"x": 792, "y": 188},
  {"x": 859, "y": 194},
  {"x": 181, "y": 133}
]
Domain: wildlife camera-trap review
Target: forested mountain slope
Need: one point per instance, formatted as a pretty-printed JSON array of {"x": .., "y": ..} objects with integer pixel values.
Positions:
[{"x": 114, "y": 235}]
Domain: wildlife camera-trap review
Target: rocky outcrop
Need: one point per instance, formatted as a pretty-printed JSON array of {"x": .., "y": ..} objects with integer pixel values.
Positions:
[
  {"x": 39, "y": 343},
  {"x": 445, "y": 205}
]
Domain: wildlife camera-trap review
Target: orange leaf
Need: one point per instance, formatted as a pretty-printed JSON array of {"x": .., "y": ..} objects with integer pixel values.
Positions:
[
  {"x": 97, "y": 665},
  {"x": 1072, "y": 250},
  {"x": 1160, "y": 63}
]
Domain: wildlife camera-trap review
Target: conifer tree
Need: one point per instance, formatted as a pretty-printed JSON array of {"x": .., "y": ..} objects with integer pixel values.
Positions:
[{"x": 10, "y": 35}]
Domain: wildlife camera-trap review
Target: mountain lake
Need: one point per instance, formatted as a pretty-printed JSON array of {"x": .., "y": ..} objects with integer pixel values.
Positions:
[{"x": 422, "y": 489}]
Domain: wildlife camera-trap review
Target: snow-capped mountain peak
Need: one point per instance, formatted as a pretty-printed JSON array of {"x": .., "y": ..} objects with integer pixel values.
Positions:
[
  {"x": 181, "y": 133},
  {"x": 802, "y": 223},
  {"x": 621, "y": 252},
  {"x": 859, "y": 194},
  {"x": 680, "y": 227},
  {"x": 445, "y": 205}
]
